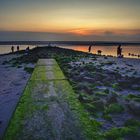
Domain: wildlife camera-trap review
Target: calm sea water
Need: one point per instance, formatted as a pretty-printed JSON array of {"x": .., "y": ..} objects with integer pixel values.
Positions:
[
  {"x": 109, "y": 50},
  {"x": 7, "y": 48},
  {"x": 106, "y": 50}
]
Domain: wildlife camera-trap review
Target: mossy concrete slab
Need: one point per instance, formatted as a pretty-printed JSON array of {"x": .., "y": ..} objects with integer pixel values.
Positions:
[
  {"x": 45, "y": 62},
  {"x": 43, "y": 73},
  {"x": 49, "y": 109},
  {"x": 44, "y": 105}
]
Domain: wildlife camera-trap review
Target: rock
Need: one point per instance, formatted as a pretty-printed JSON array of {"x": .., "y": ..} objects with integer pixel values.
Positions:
[
  {"x": 99, "y": 76},
  {"x": 84, "y": 99},
  {"x": 77, "y": 78},
  {"x": 99, "y": 104},
  {"x": 99, "y": 83},
  {"x": 112, "y": 98},
  {"x": 88, "y": 79},
  {"x": 125, "y": 84},
  {"x": 135, "y": 87},
  {"x": 85, "y": 89},
  {"x": 134, "y": 107}
]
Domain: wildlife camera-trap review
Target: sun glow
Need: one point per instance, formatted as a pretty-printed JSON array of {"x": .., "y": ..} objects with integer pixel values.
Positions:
[
  {"x": 81, "y": 32},
  {"x": 72, "y": 18}
]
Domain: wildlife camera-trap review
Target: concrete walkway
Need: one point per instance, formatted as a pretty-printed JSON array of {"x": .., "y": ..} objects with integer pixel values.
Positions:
[{"x": 48, "y": 109}]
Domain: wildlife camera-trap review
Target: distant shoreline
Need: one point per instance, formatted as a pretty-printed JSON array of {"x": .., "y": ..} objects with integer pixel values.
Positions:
[
  {"x": 104, "y": 43},
  {"x": 23, "y": 51}
]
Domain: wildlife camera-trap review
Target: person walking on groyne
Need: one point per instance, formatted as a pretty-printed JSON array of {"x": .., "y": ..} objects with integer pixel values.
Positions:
[
  {"x": 12, "y": 49},
  {"x": 17, "y": 48},
  {"x": 89, "y": 48},
  {"x": 119, "y": 51}
]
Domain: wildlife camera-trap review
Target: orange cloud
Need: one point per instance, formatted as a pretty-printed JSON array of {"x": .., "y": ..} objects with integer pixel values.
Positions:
[
  {"x": 87, "y": 32},
  {"x": 82, "y": 32}
]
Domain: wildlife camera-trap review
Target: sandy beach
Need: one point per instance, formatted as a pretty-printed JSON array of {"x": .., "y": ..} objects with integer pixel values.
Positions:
[{"x": 103, "y": 85}]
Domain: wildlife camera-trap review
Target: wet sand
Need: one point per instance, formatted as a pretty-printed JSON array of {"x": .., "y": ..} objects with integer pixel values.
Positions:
[{"x": 12, "y": 84}]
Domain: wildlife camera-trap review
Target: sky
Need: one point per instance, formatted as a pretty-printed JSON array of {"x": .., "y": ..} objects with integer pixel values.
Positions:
[{"x": 101, "y": 20}]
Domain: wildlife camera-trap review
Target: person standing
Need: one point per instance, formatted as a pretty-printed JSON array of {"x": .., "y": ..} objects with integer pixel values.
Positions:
[
  {"x": 119, "y": 51},
  {"x": 89, "y": 49},
  {"x": 12, "y": 49},
  {"x": 17, "y": 48}
]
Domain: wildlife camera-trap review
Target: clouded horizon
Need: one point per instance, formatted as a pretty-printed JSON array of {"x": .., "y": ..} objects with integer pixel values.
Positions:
[{"x": 101, "y": 20}]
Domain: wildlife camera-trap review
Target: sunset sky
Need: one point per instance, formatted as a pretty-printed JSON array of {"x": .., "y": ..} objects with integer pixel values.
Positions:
[{"x": 107, "y": 20}]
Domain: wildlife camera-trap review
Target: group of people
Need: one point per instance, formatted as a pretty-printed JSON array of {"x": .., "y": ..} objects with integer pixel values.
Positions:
[
  {"x": 119, "y": 51},
  {"x": 13, "y": 48}
]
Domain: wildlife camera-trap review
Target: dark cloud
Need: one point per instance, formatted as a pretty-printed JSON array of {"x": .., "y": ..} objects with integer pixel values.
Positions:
[
  {"x": 109, "y": 33},
  {"x": 48, "y": 36}
]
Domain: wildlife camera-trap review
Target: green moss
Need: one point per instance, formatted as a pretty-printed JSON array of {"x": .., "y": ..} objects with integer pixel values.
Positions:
[
  {"x": 21, "y": 112},
  {"x": 24, "y": 109},
  {"x": 39, "y": 73},
  {"x": 83, "y": 97},
  {"x": 44, "y": 107},
  {"x": 117, "y": 133},
  {"x": 116, "y": 86},
  {"x": 93, "y": 86},
  {"x": 90, "y": 107},
  {"x": 132, "y": 123},
  {"x": 29, "y": 69},
  {"x": 114, "y": 108},
  {"x": 106, "y": 91},
  {"x": 58, "y": 74},
  {"x": 101, "y": 93},
  {"x": 90, "y": 128},
  {"x": 107, "y": 117},
  {"x": 133, "y": 97}
]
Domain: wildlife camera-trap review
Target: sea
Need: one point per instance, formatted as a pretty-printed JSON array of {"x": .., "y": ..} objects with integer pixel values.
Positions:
[{"x": 129, "y": 51}]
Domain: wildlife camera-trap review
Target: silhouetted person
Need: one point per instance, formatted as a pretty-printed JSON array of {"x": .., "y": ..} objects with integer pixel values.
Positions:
[
  {"x": 119, "y": 51},
  {"x": 99, "y": 52},
  {"x": 27, "y": 50},
  {"x": 89, "y": 48},
  {"x": 12, "y": 49},
  {"x": 17, "y": 48}
]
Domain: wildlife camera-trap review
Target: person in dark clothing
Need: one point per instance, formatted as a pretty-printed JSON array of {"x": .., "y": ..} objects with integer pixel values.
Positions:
[
  {"x": 89, "y": 49},
  {"x": 27, "y": 50},
  {"x": 12, "y": 49},
  {"x": 17, "y": 48},
  {"x": 119, "y": 51}
]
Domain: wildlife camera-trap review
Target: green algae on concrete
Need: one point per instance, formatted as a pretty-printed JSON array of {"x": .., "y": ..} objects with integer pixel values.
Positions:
[
  {"x": 39, "y": 73},
  {"x": 47, "y": 72},
  {"x": 49, "y": 108},
  {"x": 46, "y": 62}
]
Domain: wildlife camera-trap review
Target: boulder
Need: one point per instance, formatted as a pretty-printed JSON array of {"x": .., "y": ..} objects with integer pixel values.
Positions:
[
  {"x": 84, "y": 99},
  {"x": 112, "y": 98},
  {"x": 99, "y": 104},
  {"x": 134, "y": 107}
]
